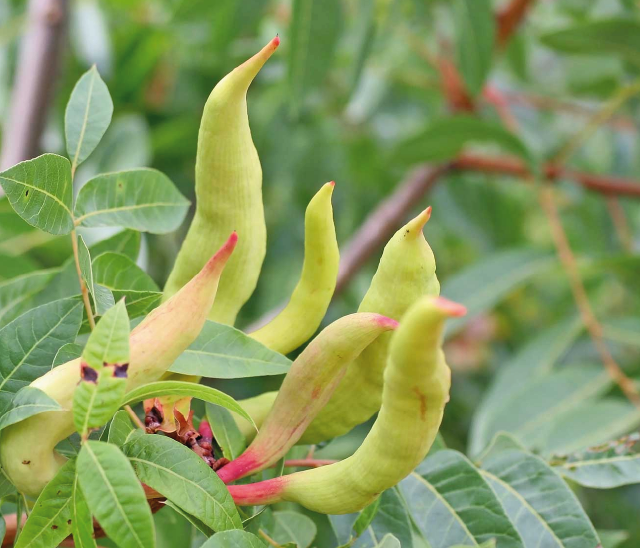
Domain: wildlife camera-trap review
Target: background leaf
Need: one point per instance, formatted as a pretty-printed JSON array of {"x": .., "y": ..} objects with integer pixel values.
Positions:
[
  {"x": 313, "y": 33},
  {"x": 40, "y": 192},
  {"x": 451, "y": 504},
  {"x": 475, "y": 29},
  {"x": 31, "y": 341},
  {"x": 142, "y": 199},
  {"x": 87, "y": 117},
  {"x": 293, "y": 527},
  {"x": 225, "y": 431},
  {"x": 539, "y": 503}
]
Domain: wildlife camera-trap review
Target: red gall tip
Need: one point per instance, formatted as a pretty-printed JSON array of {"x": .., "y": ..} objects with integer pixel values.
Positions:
[
  {"x": 389, "y": 323},
  {"x": 276, "y": 41},
  {"x": 332, "y": 183},
  {"x": 450, "y": 308}
]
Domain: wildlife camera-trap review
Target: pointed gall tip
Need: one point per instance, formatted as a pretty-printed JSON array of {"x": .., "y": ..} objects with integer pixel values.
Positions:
[
  {"x": 388, "y": 323},
  {"x": 423, "y": 218},
  {"x": 332, "y": 183},
  {"x": 450, "y": 308},
  {"x": 276, "y": 41},
  {"x": 222, "y": 255}
]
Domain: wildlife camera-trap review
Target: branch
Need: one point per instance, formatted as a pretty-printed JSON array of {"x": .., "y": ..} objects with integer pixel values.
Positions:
[
  {"x": 509, "y": 20},
  {"x": 34, "y": 81}
]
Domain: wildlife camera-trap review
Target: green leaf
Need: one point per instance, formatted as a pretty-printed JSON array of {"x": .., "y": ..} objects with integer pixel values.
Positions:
[
  {"x": 206, "y": 531},
  {"x": 142, "y": 199},
  {"x": 49, "y": 521},
  {"x": 183, "y": 477},
  {"x": 126, "y": 242},
  {"x": 68, "y": 352},
  {"x": 366, "y": 517},
  {"x": 120, "y": 428},
  {"x": 541, "y": 506},
  {"x": 534, "y": 360},
  {"x": 87, "y": 116},
  {"x": 590, "y": 423},
  {"x": 81, "y": 519},
  {"x": 389, "y": 541},
  {"x": 102, "y": 297},
  {"x": 225, "y": 431},
  {"x": 529, "y": 412},
  {"x": 605, "y": 466},
  {"x": 124, "y": 278},
  {"x": 108, "y": 344},
  {"x": 95, "y": 402},
  {"x": 30, "y": 343},
  {"x": 27, "y": 402},
  {"x": 40, "y": 191},
  {"x": 115, "y": 496},
  {"x": 451, "y": 504},
  {"x": 444, "y": 139},
  {"x": 234, "y": 539},
  {"x": 16, "y": 294},
  {"x": 481, "y": 286},
  {"x": 605, "y": 37},
  {"x": 3, "y": 529},
  {"x": 6, "y": 487},
  {"x": 223, "y": 352},
  {"x": 99, "y": 394},
  {"x": 180, "y": 388},
  {"x": 391, "y": 517},
  {"x": 313, "y": 34},
  {"x": 474, "y": 23},
  {"x": 293, "y": 527}
]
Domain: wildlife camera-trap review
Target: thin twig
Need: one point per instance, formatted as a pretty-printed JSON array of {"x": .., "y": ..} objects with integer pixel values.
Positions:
[
  {"x": 600, "y": 117},
  {"x": 510, "y": 18},
  {"x": 268, "y": 539},
  {"x": 83, "y": 286},
  {"x": 134, "y": 417},
  {"x": 620, "y": 223},
  {"x": 568, "y": 261}
]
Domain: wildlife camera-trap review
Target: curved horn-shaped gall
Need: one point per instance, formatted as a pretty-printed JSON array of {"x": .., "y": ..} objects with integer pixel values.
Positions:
[{"x": 27, "y": 449}]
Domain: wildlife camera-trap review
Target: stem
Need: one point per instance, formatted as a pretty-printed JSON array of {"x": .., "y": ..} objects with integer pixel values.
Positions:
[
  {"x": 134, "y": 417},
  {"x": 600, "y": 117},
  {"x": 18, "y": 518},
  {"x": 568, "y": 261},
  {"x": 268, "y": 539},
  {"x": 620, "y": 223},
  {"x": 83, "y": 286}
]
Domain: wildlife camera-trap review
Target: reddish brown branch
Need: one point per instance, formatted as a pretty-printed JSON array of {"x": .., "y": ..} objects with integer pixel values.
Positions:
[
  {"x": 603, "y": 184},
  {"x": 509, "y": 20}
]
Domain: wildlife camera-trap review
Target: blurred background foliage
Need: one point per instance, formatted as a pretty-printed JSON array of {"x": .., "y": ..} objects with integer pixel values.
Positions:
[{"x": 346, "y": 98}]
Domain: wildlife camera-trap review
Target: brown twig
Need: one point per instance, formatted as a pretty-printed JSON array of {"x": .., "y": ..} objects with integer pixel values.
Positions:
[
  {"x": 568, "y": 261},
  {"x": 620, "y": 223},
  {"x": 509, "y": 19},
  {"x": 35, "y": 77},
  {"x": 83, "y": 286}
]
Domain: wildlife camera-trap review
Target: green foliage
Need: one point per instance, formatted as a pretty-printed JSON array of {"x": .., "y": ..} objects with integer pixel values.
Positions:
[
  {"x": 184, "y": 478},
  {"x": 114, "y": 495},
  {"x": 223, "y": 352},
  {"x": 357, "y": 97}
]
